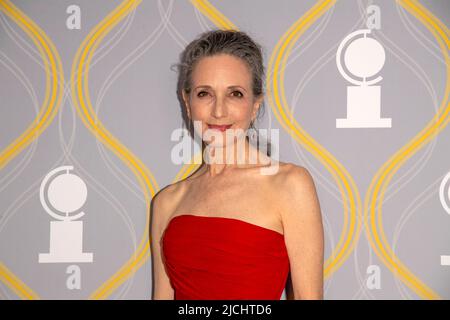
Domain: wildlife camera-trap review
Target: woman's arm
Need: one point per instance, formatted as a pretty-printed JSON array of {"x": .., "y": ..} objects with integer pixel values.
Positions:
[
  {"x": 303, "y": 232},
  {"x": 162, "y": 290}
]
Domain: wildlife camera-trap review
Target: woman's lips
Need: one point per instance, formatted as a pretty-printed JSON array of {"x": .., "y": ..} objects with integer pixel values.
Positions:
[{"x": 219, "y": 127}]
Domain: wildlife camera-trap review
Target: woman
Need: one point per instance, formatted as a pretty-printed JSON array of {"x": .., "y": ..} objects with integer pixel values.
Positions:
[{"x": 228, "y": 231}]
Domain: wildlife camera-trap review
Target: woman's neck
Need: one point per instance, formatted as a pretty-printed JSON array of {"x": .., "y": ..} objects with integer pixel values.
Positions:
[{"x": 219, "y": 160}]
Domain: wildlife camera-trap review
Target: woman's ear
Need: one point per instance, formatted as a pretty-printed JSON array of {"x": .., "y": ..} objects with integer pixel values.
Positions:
[{"x": 257, "y": 105}]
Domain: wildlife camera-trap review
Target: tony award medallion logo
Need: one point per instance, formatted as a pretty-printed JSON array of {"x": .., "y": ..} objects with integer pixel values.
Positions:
[
  {"x": 363, "y": 58},
  {"x": 66, "y": 194},
  {"x": 444, "y": 197}
]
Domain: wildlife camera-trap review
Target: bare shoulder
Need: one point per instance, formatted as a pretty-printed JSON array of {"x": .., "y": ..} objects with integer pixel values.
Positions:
[
  {"x": 303, "y": 232},
  {"x": 295, "y": 186},
  {"x": 166, "y": 195},
  {"x": 298, "y": 177},
  {"x": 292, "y": 176},
  {"x": 164, "y": 203}
]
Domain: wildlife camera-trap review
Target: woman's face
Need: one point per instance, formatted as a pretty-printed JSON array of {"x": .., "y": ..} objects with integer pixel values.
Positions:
[{"x": 221, "y": 95}]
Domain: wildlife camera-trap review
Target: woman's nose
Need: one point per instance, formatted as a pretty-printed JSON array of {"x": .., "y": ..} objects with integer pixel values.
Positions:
[{"x": 219, "y": 109}]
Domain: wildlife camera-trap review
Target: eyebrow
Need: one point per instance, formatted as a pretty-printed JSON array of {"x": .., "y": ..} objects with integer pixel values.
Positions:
[{"x": 229, "y": 87}]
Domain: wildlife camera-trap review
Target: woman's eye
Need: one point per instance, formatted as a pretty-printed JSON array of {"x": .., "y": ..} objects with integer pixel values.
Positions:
[
  {"x": 238, "y": 94},
  {"x": 202, "y": 94}
]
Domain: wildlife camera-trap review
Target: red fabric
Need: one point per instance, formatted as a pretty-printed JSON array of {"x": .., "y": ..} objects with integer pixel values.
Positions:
[{"x": 218, "y": 258}]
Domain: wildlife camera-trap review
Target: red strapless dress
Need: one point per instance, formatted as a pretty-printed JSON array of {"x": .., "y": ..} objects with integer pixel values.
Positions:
[{"x": 218, "y": 258}]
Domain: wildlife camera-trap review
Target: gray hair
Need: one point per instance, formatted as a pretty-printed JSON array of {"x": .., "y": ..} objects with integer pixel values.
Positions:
[
  {"x": 214, "y": 42},
  {"x": 236, "y": 43}
]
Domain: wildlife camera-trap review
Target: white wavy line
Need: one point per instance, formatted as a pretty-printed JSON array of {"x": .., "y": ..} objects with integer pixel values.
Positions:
[
  {"x": 173, "y": 32},
  {"x": 432, "y": 93},
  {"x": 201, "y": 19},
  {"x": 404, "y": 18},
  {"x": 428, "y": 152},
  {"x": 100, "y": 146},
  {"x": 421, "y": 162},
  {"x": 314, "y": 35},
  {"x": 69, "y": 158},
  {"x": 13, "y": 35},
  {"x": 113, "y": 168},
  {"x": 114, "y": 40},
  {"x": 430, "y": 148},
  {"x": 407, "y": 213},
  {"x": 114, "y": 75},
  {"x": 4, "y": 218},
  {"x": 422, "y": 76},
  {"x": 308, "y": 75},
  {"x": 25, "y": 160},
  {"x": 97, "y": 57}
]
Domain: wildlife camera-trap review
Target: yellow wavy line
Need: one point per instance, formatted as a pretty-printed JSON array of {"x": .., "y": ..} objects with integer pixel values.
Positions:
[
  {"x": 437, "y": 24},
  {"x": 387, "y": 171},
  {"x": 186, "y": 170},
  {"x": 45, "y": 116},
  {"x": 349, "y": 191},
  {"x": 79, "y": 87},
  {"x": 137, "y": 167},
  {"x": 213, "y": 14},
  {"x": 48, "y": 109},
  {"x": 20, "y": 288},
  {"x": 338, "y": 261}
]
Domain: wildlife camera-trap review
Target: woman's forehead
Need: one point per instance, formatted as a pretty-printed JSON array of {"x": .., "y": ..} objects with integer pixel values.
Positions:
[{"x": 222, "y": 68}]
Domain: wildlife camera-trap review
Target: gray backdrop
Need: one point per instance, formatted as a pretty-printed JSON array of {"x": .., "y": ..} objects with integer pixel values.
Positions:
[{"x": 131, "y": 89}]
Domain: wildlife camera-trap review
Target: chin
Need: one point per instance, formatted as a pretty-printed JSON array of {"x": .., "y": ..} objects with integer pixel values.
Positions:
[{"x": 216, "y": 144}]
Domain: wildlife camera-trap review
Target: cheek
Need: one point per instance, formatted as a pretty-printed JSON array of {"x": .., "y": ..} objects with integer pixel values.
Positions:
[
  {"x": 199, "y": 110},
  {"x": 243, "y": 112}
]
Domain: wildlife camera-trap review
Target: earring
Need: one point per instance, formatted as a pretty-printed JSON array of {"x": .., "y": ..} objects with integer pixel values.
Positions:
[{"x": 253, "y": 131}]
